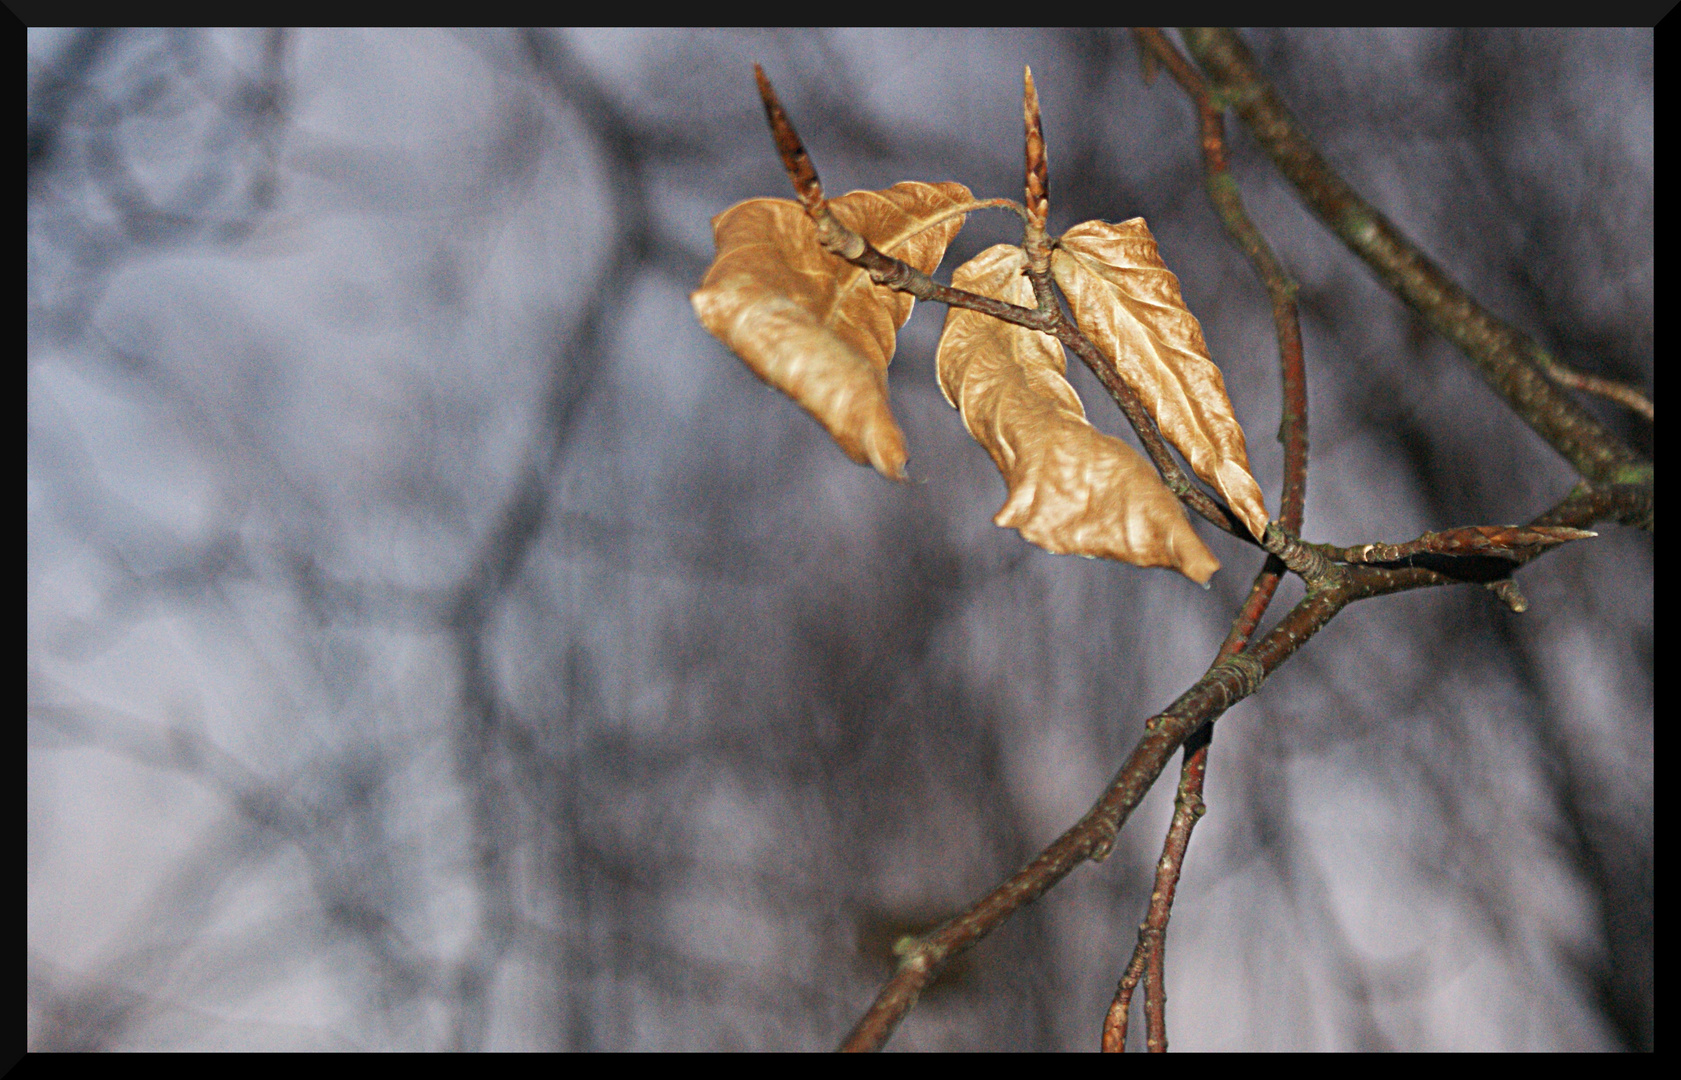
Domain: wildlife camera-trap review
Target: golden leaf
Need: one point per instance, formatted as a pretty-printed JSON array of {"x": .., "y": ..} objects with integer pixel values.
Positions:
[
  {"x": 813, "y": 325},
  {"x": 1072, "y": 489},
  {"x": 1128, "y": 302}
]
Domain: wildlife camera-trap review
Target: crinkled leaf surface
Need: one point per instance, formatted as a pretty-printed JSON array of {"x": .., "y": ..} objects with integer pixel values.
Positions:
[
  {"x": 811, "y": 324},
  {"x": 1128, "y": 302},
  {"x": 1072, "y": 489}
]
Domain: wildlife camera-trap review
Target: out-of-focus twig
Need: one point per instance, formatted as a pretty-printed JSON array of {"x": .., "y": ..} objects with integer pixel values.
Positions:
[
  {"x": 1622, "y": 393},
  {"x": 1503, "y": 355}
]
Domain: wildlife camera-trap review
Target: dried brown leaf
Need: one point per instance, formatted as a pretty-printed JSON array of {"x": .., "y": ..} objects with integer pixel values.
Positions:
[
  {"x": 813, "y": 325},
  {"x": 1072, "y": 489},
  {"x": 1128, "y": 302}
]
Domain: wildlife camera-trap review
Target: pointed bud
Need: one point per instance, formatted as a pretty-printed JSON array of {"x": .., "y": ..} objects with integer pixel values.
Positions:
[
  {"x": 1038, "y": 175},
  {"x": 794, "y": 157}
]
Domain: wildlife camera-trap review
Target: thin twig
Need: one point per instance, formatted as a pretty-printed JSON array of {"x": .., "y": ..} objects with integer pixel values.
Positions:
[
  {"x": 1622, "y": 393},
  {"x": 1148, "y": 956},
  {"x": 1503, "y": 355},
  {"x": 1188, "y": 809},
  {"x": 1589, "y": 504},
  {"x": 1224, "y": 684},
  {"x": 1281, "y": 288},
  {"x": 1234, "y": 676}
]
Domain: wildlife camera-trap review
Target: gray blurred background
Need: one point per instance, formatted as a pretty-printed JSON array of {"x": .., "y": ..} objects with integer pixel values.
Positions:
[{"x": 437, "y": 640}]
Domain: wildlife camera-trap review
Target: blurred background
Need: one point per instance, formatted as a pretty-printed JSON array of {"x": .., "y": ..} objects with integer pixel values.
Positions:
[{"x": 437, "y": 640}]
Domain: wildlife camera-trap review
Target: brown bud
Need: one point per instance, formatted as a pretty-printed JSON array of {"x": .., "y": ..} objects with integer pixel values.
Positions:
[
  {"x": 1038, "y": 173},
  {"x": 794, "y": 157}
]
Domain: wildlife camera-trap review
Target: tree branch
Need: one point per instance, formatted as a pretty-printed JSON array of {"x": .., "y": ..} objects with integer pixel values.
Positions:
[
  {"x": 1503, "y": 355},
  {"x": 1335, "y": 577},
  {"x": 1229, "y": 680}
]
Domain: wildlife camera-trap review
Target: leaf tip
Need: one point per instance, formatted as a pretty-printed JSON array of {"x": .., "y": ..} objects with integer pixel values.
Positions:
[
  {"x": 1198, "y": 564},
  {"x": 885, "y": 451},
  {"x": 1237, "y": 483},
  {"x": 870, "y": 436}
]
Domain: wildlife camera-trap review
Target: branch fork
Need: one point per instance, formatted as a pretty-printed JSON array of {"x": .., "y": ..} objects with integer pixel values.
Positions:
[{"x": 1334, "y": 576}]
